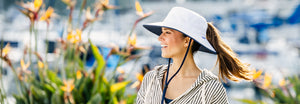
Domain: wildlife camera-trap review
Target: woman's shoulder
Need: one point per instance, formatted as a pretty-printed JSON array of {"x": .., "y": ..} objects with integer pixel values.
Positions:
[
  {"x": 155, "y": 71},
  {"x": 213, "y": 80}
]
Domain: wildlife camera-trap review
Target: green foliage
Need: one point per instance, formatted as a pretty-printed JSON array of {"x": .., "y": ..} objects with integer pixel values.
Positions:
[
  {"x": 288, "y": 93},
  {"x": 247, "y": 101},
  {"x": 71, "y": 82}
]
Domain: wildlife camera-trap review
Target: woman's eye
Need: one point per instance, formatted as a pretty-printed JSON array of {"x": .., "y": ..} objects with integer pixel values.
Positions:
[{"x": 168, "y": 32}]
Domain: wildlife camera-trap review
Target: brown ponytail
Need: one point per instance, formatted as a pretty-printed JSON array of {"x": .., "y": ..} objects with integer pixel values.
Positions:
[{"x": 229, "y": 65}]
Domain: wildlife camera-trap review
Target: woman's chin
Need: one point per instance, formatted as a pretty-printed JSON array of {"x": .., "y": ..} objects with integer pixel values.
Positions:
[{"x": 165, "y": 56}]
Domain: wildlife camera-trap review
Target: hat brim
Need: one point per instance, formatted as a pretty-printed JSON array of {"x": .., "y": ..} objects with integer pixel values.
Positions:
[{"x": 156, "y": 29}]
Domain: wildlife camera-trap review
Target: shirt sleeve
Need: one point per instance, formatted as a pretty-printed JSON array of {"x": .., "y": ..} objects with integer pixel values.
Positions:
[
  {"x": 142, "y": 91},
  {"x": 220, "y": 96}
]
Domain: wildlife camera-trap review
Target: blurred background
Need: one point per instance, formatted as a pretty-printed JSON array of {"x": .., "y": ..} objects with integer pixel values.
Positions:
[{"x": 264, "y": 33}]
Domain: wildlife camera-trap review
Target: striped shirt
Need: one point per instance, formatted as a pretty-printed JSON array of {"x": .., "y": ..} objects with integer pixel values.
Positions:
[{"x": 206, "y": 90}]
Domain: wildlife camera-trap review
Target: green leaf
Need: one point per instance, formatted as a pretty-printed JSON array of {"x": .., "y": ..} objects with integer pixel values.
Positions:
[
  {"x": 77, "y": 96},
  {"x": 115, "y": 100},
  {"x": 85, "y": 88},
  {"x": 19, "y": 99},
  {"x": 130, "y": 99},
  {"x": 117, "y": 86},
  {"x": 96, "y": 99},
  {"x": 281, "y": 97},
  {"x": 99, "y": 58},
  {"x": 53, "y": 77},
  {"x": 248, "y": 101},
  {"x": 80, "y": 63},
  {"x": 101, "y": 63},
  {"x": 49, "y": 87},
  {"x": 56, "y": 98},
  {"x": 39, "y": 95}
]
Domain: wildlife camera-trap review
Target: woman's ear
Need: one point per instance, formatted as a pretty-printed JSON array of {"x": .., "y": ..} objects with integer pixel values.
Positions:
[{"x": 186, "y": 41}]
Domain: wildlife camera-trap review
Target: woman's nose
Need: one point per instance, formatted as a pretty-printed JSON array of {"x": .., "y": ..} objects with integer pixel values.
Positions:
[{"x": 160, "y": 37}]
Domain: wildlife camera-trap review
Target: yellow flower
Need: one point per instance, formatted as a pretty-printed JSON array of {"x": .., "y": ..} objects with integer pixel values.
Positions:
[
  {"x": 47, "y": 15},
  {"x": 105, "y": 5},
  {"x": 81, "y": 49},
  {"x": 74, "y": 38},
  {"x": 256, "y": 74},
  {"x": 117, "y": 86},
  {"x": 123, "y": 102},
  {"x": 68, "y": 86},
  {"x": 267, "y": 80},
  {"x": 135, "y": 84},
  {"x": 132, "y": 40},
  {"x": 139, "y": 77},
  {"x": 40, "y": 64},
  {"x": 37, "y": 3},
  {"x": 282, "y": 82},
  {"x": 120, "y": 70},
  {"x": 23, "y": 65},
  {"x": 104, "y": 80},
  {"x": 88, "y": 14},
  {"x": 78, "y": 74},
  {"x": 6, "y": 49},
  {"x": 105, "y": 2},
  {"x": 70, "y": 3},
  {"x": 139, "y": 10},
  {"x": 78, "y": 33}
]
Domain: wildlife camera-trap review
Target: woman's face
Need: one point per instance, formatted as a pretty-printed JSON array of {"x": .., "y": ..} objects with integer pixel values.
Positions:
[{"x": 172, "y": 43}]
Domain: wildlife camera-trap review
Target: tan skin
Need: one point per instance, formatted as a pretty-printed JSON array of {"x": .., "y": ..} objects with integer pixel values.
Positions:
[{"x": 175, "y": 49}]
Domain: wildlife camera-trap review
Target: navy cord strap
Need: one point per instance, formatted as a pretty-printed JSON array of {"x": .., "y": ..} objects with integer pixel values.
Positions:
[{"x": 168, "y": 82}]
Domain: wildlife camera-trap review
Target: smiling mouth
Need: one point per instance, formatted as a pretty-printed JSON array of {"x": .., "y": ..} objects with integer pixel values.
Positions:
[{"x": 164, "y": 46}]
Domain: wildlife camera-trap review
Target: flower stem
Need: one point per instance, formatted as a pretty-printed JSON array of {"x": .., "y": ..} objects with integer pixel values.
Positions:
[
  {"x": 87, "y": 45},
  {"x": 2, "y": 92}
]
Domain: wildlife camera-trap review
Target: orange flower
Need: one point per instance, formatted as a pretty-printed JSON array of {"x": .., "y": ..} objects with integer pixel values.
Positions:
[
  {"x": 31, "y": 9},
  {"x": 68, "y": 86},
  {"x": 282, "y": 82},
  {"x": 105, "y": 5},
  {"x": 88, "y": 14},
  {"x": 132, "y": 40},
  {"x": 89, "y": 18},
  {"x": 74, "y": 38},
  {"x": 135, "y": 84},
  {"x": 105, "y": 2},
  {"x": 38, "y": 4},
  {"x": 139, "y": 77},
  {"x": 40, "y": 64},
  {"x": 78, "y": 74},
  {"x": 81, "y": 49},
  {"x": 256, "y": 74},
  {"x": 70, "y": 3},
  {"x": 47, "y": 15},
  {"x": 23, "y": 65},
  {"x": 267, "y": 80},
  {"x": 139, "y": 10},
  {"x": 120, "y": 70},
  {"x": 6, "y": 49},
  {"x": 32, "y": 6},
  {"x": 123, "y": 102},
  {"x": 23, "y": 70}
]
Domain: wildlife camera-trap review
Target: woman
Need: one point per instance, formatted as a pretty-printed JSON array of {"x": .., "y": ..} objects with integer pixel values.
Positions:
[{"x": 182, "y": 33}]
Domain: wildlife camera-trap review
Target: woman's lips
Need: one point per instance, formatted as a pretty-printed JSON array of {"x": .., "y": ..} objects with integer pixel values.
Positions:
[{"x": 164, "y": 46}]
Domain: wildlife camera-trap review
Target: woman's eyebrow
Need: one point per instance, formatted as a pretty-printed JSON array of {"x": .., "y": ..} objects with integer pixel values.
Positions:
[{"x": 165, "y": 29}]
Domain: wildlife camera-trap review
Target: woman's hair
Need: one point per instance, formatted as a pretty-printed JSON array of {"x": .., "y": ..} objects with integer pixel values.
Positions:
[
  {"x": 229, "y": 65},
  {"x": 195, "y": 45}
]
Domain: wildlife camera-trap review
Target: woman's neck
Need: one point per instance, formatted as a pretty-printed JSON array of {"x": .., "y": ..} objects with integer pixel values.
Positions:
[{"x": 189, "y": 67}]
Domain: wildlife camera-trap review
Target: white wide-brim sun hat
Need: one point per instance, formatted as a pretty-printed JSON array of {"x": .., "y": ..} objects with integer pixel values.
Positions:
[{"x": 187, "y": 22}]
